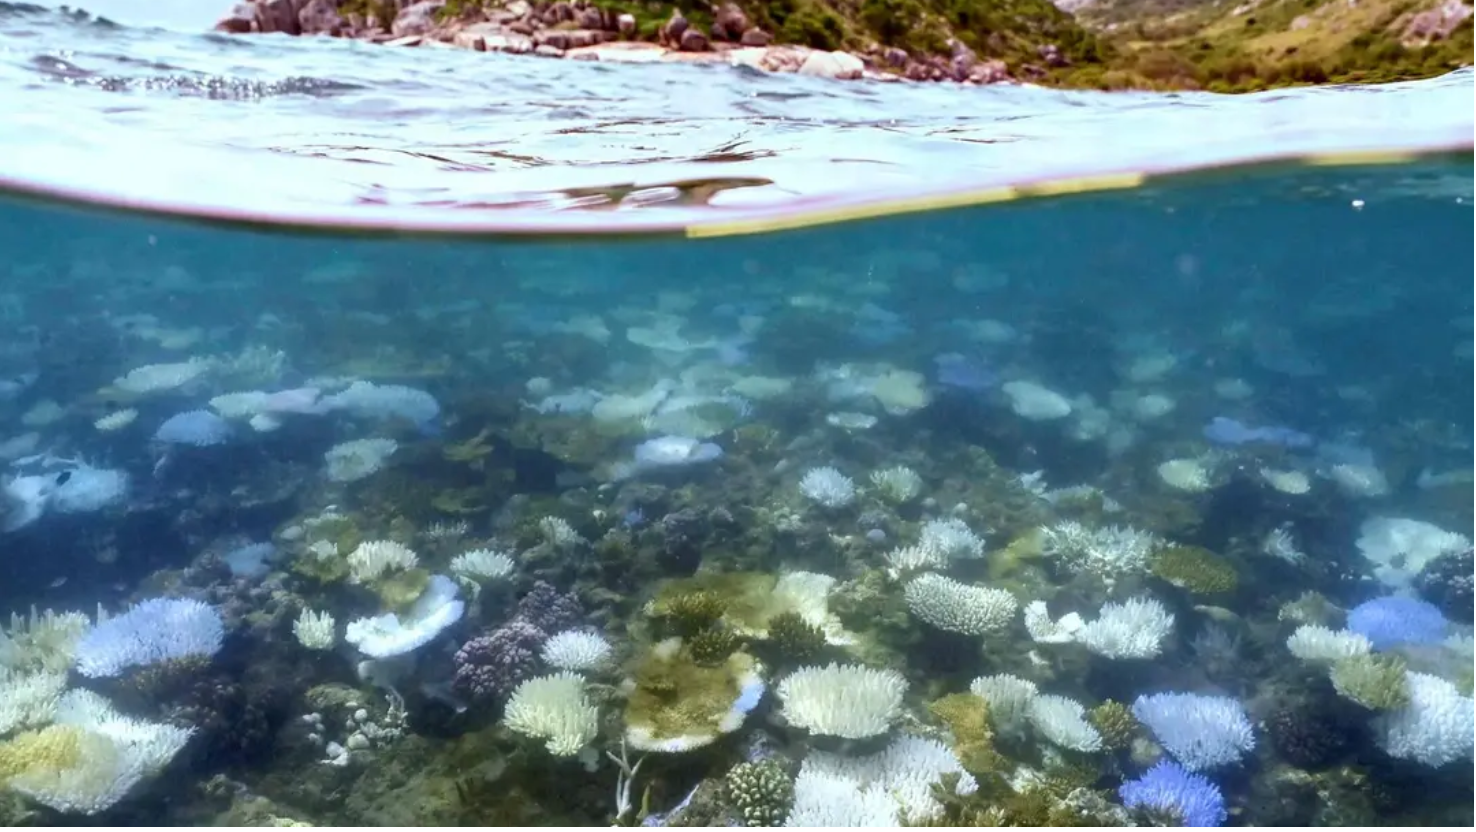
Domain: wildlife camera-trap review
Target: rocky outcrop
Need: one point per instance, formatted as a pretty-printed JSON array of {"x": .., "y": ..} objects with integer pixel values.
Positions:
[{"x": 580, "y": 30}]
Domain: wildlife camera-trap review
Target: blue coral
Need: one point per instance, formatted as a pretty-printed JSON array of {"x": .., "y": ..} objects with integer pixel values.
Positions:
[
  {"x": 1199, "y": 731},
  {"x": 199, "y": 428},
  {"x": 1392, "y": 621},
  {"x": 156, "y": 630},
  {"x": 1190, "y": 799}
]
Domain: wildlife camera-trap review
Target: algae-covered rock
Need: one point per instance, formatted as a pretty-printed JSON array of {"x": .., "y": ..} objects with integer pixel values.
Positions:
[
  {"x": 749, "y": 602},
  {"x": 676, "y": 704}
]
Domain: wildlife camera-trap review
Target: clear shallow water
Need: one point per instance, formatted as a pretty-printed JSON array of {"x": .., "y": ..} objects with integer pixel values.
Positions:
[
  {"x": 312, "y": 127},
  {"x": 1034, "y": 364}
]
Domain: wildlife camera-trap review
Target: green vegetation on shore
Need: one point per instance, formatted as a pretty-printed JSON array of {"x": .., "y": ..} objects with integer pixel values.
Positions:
[{"x": 1219, "y": 45}]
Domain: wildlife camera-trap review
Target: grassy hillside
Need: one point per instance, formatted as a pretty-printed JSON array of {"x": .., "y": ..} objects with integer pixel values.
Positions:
[
  {"x": 1242, "y": 45},
  {"x": 1221, "y": 45}
]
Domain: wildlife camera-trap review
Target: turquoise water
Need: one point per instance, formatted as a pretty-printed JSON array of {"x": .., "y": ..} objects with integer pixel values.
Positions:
[{"x": 349, "y": 525}]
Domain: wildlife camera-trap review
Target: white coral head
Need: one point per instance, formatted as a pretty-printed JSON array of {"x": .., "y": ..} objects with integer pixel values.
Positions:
[{"x": 849, "y": 701}]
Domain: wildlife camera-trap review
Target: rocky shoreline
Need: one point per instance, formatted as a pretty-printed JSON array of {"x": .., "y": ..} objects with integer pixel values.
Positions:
[{"x": 578, "y": 30}]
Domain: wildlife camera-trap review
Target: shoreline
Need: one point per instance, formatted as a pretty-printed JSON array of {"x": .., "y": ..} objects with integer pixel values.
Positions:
[{"x": 577, "y": 30}]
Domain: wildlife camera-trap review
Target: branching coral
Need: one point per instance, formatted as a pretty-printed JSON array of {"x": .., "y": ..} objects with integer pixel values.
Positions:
[{"x": 1198, "y": 570}]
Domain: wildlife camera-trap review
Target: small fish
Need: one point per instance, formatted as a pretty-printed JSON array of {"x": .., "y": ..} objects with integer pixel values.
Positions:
[{"x": 58, "y": 583}]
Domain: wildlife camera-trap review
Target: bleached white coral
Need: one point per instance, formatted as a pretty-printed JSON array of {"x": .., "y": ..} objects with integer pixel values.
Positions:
[
  {"x": 1009, "y": 697},
  {"x": 154, "y": 378},
  {"x": 557, "y": 532},
  {"x": 554, "y": 708},
  {"x": 1134, "y": 629},
  {"x": 904, "y": 772},
  {"x": 848, "y": 701},
  {"x": 940, "y": 542},
  {"x": 1043, "y": 630},
  {"x": 390, "y": 634},
  {"x": 1189, "y": 475},
  {"x": 576, "y": 650},
  {"x": 354, "y": 460},
  {"x": 807, "y": 594},
  {"x": 1278, "y": 543},
  {"x": 28, "y": 700},
  {"x": 828, "y": 801},
  {"x": 957, "y": 607},
  {"x": 1399, "y": 547},
  {"x": 1109, "y": 553},
  {"x": 1313, "y": 643},
  {"x": 315, "y": 630},
  {"x": 828, "y": 487},
  {"x": 482, "y": 565},
  {"x": 906, "y": 559},
  {"x": 1034, "y": 402},
  {"x": 373, "y": 558},
  {"x": 1063, "y": 722},
  {"x": 116, "y": 753},
  {"x": 43, "y": 641},
  {"x": 952, "y": 538},
  {"x": 898, "y": 483},
  {"x": 1435, "y": 728}
]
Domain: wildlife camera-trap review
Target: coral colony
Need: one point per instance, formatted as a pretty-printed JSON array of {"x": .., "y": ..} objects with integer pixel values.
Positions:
[{"x": 648, "y": 562}]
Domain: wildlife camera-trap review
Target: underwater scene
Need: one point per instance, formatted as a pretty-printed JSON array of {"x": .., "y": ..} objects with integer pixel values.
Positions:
[
  {"x": 1140, "y": 507},
  {"x": 776, "y": 483}
]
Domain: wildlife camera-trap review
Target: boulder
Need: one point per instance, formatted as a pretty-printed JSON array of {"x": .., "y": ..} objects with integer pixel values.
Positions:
[
  {"x": 754, "y": 36},
  {"x": 279, "y": 16},
  {"x": 693, "y": 41},
  {"x": 729, "y": 23},
  {"x": 673, "y": 29},
  {"x": 416, "y": 18},
  {"x": 841, "y": 66},
  {"x": 321, "y": 17},
  {"x": 240, "y": 20}
]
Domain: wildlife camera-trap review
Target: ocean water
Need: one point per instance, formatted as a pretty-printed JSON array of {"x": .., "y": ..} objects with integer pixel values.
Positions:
[{"x": 421, "y": 437}]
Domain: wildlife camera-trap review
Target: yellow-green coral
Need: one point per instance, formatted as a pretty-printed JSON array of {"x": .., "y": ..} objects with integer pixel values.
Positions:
[
  {"x": 967, "y": 718},
  {"x": 1115, "y": 723},
  {"x": 749, "y": 600},
  {"x": 714, "y": 645},
  {"x": 675, "y": 704},
  {"x": 1375, "y": 681},
  {"x": 795, "y": 640},
  {"x": 1050, "y": 801},
  {"x": 399, "y": 590},
  {"x": 53, "y": 748},
  {"x": 688, "y": 612},
  {"x": 1198, "y": 570}
]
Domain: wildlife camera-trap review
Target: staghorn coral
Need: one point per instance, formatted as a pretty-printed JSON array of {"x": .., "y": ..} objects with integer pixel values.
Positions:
[
  {"x": 555, "y": 709},
  {"x": 794, "y": 640},
  {"x": 713, "y": 646},
  {"x": 1376, "y": 682},
  {"x": 1115, "y": 723},
  {"x": 691, "y": 612}
]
